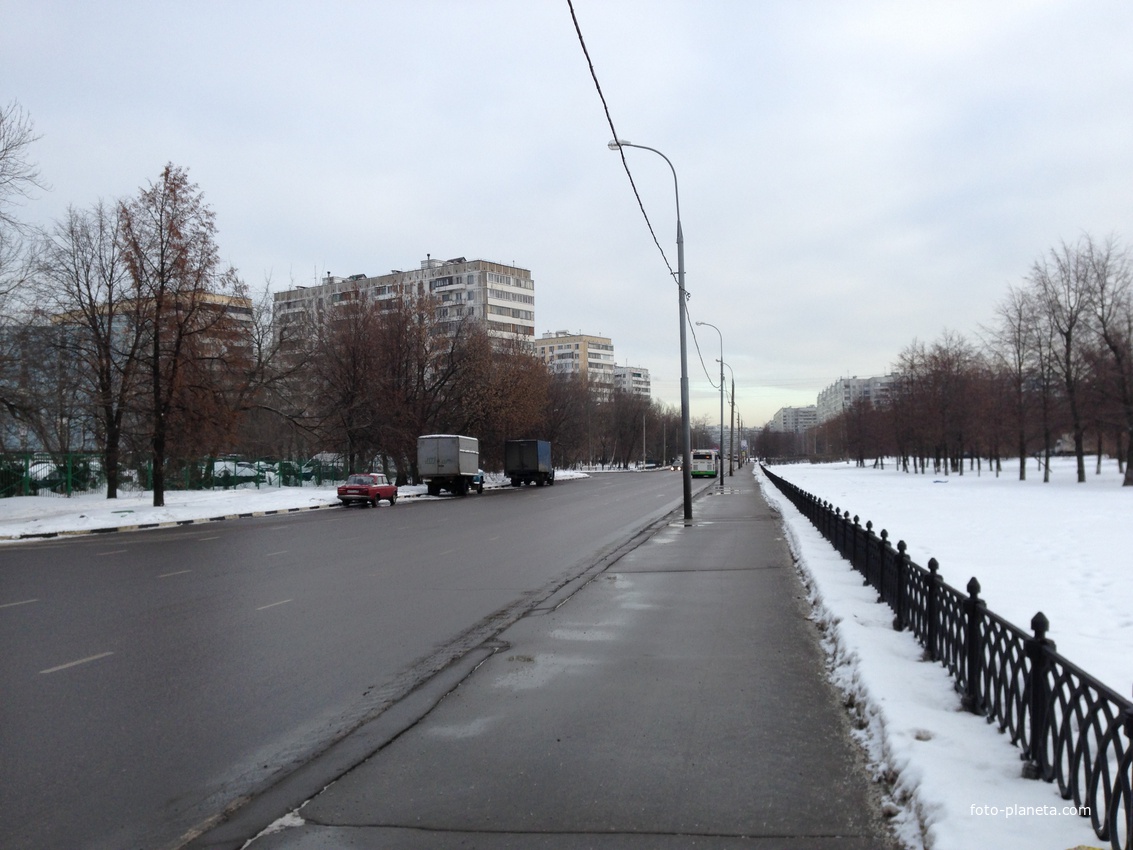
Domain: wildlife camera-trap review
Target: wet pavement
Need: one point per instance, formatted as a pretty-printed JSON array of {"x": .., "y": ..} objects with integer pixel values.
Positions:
[{"x": 677, "y": 699}]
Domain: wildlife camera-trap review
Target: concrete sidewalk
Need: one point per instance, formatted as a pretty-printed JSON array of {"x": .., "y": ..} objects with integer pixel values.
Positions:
[{"x": 676, "y": 700}]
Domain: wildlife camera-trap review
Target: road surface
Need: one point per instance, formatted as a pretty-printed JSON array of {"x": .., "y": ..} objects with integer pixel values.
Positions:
[{"x": 151, "y": 679}]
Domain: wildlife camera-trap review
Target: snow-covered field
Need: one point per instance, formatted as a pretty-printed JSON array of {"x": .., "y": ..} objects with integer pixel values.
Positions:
[{"x": 1062, "y": 548}]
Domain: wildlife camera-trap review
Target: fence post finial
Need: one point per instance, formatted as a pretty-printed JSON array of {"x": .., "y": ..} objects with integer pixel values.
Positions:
[
  {"x": 973, "y": 613},
  {"x": 1037, "y": 650},
  {"x": 902, "y": 564},
  {"x": 931, "y": 605}
]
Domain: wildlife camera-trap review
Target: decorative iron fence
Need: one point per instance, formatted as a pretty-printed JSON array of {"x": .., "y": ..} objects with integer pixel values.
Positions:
[{"x": 1070, "y": 727}]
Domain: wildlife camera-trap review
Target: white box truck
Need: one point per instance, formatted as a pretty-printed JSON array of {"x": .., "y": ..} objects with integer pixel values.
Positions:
[{"x": 449, "y": 462}]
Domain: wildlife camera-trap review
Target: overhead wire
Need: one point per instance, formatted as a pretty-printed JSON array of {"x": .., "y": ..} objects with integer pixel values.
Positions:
[
  {"x": 633, "y": 185},
  {"x": 614, "y": 132}
]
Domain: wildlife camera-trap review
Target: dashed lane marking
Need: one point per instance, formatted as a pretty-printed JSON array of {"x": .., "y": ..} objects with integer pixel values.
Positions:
[
  {"x": 21, "y": 602},
  {"x": 86, "y": 660}
]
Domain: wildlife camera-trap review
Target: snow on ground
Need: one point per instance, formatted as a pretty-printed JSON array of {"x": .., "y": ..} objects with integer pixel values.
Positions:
[
  {"x": 39, "y": 515},
  {"x": 1060, "y": 547}
]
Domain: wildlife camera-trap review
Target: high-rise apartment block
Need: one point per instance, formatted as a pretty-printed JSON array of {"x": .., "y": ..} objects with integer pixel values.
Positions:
[
  {"x": 843, "y": 393},
  {"x": 591, "y": 357},
  {"x": 500, "y": 296},
  {"x": 632, "y": 379},
  {"x": 793, "y": 420}
]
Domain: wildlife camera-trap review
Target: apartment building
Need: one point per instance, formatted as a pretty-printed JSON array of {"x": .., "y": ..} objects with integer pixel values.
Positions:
[
  {"x": 632, "y": 379},
  {"x": 566, "y": 353},
  {"x": 500, "y": 296},
  {"x": 844, "y": 392},
  {"x": 793, "y": 420}
]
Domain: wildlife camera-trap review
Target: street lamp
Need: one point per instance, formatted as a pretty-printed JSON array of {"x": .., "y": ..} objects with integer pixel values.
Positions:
[
  {"x": 732, "y": 424},
  {"x": 686, "y": 436},
  {"x": 710, "y": 325}
]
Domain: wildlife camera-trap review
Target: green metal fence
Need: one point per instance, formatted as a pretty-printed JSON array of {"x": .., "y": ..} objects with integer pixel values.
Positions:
[{"x": 45, "y": 474}]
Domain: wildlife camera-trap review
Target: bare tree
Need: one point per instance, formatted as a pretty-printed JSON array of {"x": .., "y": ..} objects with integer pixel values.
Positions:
[
  {"x": 345, "y": 367},
  {"x": 169, "y": 244},
  {"x": 502, "y": 393},
  {"x": 1061, "y": 284},
  {"x": 84, "y": 288},
  {"x": 19, "y": 179},
  {"x": 566, "y": 417},
  {"x": 1013, "y": 348},
  {"x": 1111, "y": 282},
  {"x": 19, "y": 176}
]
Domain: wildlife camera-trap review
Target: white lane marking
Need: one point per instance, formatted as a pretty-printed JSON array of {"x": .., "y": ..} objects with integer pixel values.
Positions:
[
  {"x": 273, "y": 554},
  {"x": 89, "y": 658},
  {"x": 178, "y": 573},
  {"x": 115, "y": 552},
  {"x": 265, "y": 607},
  {"x": 214, "y": 537},
  {"x": 22, "y": 602}
]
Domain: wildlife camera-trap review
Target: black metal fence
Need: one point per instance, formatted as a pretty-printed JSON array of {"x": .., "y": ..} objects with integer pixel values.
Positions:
[{"x": 1070, "y": 727}]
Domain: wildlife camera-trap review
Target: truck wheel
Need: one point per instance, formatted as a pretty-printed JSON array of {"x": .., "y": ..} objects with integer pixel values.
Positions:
[
  {"x": 480, "y": 487},
  {"x": 538, "y": 482},
  {"x": 434, "y": 489},
  {"x": 551, "y": 479},
  {"x": 515, "y": 482}
]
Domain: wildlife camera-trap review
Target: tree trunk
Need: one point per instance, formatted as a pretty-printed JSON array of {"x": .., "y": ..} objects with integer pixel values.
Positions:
[
  {"x": 158, "y": 441},
  {"x": 110, "y": 463}
]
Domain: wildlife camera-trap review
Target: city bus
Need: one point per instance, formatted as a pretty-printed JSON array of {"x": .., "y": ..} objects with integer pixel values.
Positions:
[{"x": 704, "y": 463}]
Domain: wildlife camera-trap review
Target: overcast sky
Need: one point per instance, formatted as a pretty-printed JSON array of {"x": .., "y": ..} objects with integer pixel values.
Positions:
[{"x": 853, "y": 175}]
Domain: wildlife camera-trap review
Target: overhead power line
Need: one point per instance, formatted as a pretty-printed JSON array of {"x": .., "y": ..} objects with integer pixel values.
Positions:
[{"x": 614, "y": 135}]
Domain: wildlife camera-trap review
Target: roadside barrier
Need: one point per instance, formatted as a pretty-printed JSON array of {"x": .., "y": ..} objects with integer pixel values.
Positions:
[{"x": 1070, "y": 727}]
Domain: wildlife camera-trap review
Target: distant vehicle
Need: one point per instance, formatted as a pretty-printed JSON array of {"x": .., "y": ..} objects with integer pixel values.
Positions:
[
  {"x": 232, "y": 472},
  {"x": 450, "y": 462},
  {"x": 528, "y": 461},
  {"x": 364, "y": 488},
  {"x": 704, "y": 463}
]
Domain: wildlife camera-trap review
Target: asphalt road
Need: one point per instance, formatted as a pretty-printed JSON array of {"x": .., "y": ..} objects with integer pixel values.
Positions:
[{"x": 151, "y": 679}]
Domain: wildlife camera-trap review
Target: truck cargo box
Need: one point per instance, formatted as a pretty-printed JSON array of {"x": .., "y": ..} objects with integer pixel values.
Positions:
[
  {"x": 449, "y": 462},
  {"x": 528, "y": 461}
]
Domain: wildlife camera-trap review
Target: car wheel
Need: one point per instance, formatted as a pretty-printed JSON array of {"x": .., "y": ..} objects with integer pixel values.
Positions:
[{"x": 392, "y": 499}]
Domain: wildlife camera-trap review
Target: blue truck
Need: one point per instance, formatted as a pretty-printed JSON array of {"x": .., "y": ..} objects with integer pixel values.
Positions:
[{"x": 528, "y": 462}]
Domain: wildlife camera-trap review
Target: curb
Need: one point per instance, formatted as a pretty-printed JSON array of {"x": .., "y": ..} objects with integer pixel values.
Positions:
[{"x": 47, "y": 535}]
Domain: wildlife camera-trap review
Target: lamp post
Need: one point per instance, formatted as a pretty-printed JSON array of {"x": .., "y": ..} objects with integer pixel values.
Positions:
[
  {"x": 686, "y": 437},
  {"x": 710, "y": 325},
  {"x": 732, "y": 424}
]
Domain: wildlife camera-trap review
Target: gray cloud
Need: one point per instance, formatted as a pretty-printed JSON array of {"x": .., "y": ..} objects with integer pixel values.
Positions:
[{"x": 853, "y": 175}]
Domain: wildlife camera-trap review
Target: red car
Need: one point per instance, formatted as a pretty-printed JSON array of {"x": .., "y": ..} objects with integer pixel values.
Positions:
[{"x": 367, "y": 488}]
